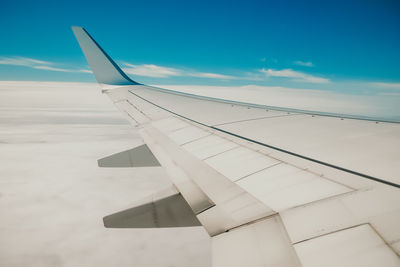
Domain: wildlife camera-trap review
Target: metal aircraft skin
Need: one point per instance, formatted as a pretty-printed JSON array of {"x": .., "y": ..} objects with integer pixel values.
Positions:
[{"x": 271, "y": 186}]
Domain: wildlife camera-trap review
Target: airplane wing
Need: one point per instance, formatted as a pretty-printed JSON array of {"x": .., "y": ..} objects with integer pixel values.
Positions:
[{"x": 271, "y": 186}]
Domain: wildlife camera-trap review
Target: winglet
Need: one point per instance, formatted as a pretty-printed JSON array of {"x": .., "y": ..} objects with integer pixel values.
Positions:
[{"x": 104, "y": 68}]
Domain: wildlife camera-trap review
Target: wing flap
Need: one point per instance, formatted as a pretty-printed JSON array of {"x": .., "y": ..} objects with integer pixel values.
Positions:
[
  {"x": 171, "y": 211},
  {"x": 263, "y": 243}
]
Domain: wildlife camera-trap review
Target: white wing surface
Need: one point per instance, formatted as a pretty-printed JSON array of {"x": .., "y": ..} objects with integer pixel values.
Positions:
[{"x": 272, "y": 186}]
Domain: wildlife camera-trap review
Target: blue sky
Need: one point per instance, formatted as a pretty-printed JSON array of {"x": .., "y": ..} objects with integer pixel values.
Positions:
[{"x": 334, "y": 45}]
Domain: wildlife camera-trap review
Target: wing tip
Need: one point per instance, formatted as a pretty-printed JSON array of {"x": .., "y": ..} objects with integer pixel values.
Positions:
[
  {"x": 103, "y": 66},
  {"x": 75, "y": 28}
]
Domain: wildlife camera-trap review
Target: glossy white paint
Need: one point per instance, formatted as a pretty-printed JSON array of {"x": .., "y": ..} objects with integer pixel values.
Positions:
[
  {"x": 316, "y": 219},
  {"x": 138, "y": 116},
  {"x": 150, "y": 110},
  {"x": 396, "y": 247},
  {"x": 377, "y": 206},
  {"x": 357, "y": 246},
  {"x": 239, "y": 162},
  {"x": 380, "y": 206},
  {"x": 207, "y": 112},
  {"x": 209, "y": 146},
  {"x": 283, "y": 186},
  {"x": 195, "y": 197},
  {"x": 363, "y": 146},
  {"x": 241, "y": 210},
  {"x": 350, "y": 180},
  {"x": 263, "y": 243},
  {"x": 170, "y": 124},
  {"x": 187, "y": 134},
  {"x": 233, "y": 205}
]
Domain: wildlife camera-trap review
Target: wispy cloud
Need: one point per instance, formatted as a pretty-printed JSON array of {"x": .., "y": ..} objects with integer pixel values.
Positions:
[
  {"x": 295, "y": 75},
  {"x": 212, "y": 75},
  {"x": 85, "y": 71},
  {"x": 395, "y": 86},
  {"x": 22, "y": 61},
  {"x": 51, "y": 68},
  {"x": 151, "y": 70},
  {"x": 36, "y": 64},
  {"x": 303, "y": 63}
]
